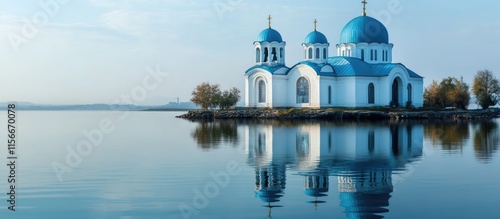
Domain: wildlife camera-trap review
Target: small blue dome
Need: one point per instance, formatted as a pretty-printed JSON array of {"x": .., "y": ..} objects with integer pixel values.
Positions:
[
  {"x": 315, "y": 37},
  {"x": 364, "y": 29},
  {"x": 269, "y": 35},
  {"x": 317, "y": 192}
]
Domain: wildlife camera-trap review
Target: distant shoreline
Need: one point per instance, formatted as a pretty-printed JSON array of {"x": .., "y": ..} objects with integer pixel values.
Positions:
[{"x": 341, "y": 114}]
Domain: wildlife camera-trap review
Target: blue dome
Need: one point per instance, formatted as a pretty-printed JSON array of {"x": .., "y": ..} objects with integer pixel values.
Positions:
[
  {"x": 269, "y": 35},
  {"x": 318, "y": 192},
  {"x": 364, "y": 29},
  {"x": 315, "y": 37}
]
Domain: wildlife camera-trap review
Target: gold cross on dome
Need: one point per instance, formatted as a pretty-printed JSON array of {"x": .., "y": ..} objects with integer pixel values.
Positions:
[
  {"x": 364, "y": 7},
  {"x": 315, "y": 23},
  {"x": 269, "y": 19}
]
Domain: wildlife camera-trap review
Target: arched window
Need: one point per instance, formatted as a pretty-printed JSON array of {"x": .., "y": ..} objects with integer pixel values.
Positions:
[
  {"x": 317, "y": 53},
  {"x": 275, "y": 57},
  {"x": 324, "y": 53},
  {"x": 257, "y": 55},
  {"x": 371, "y": 94},
  {"x": 310, "y": 55},
  {"x": 362, "y": 55},
  {"x": 409, "y": 92},
  {"x": 371, "y": 54},
  {"x": 302, "y": 90},
  {"x": 376, "y": 54},
  {"x": 281, "y": 55},
  {"x": 262, "y": 92},
  {"x": 266, "y": 54},
  {"x": 343, "y": 52},
  {"x": 329, "y": 94}
]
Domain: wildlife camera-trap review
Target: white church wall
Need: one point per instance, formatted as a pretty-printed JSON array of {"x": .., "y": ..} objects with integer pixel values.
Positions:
[
  {"x": 382, "y": 141},
  {"x": 281, "y": 148},
  {"x": 344, "y": 141},
  {"x": 356, "y": 50},
  {"x": 401, "y": 73},
  {"x": 312, "y": 150},
  {"x": 417, "y": 140},
  {"x": 293, "y": 76},
  {"x": 252, "y": 88},
  {"x": 326, "y": 82},
  {"x": 267, "y": 143},
  {"x": 247, "y": 93},
  {"x": 259, "y": 145},
  {"x": 327, "y": 142},
  {"x": 352, "y": 143},
  {"x": 383, "y": 88},
  {"x": 418, "y": 92},
  {"x": 362, "y": 91},
  {"x": 345, "y": 92},
  {"x": 279, "y": 91}
]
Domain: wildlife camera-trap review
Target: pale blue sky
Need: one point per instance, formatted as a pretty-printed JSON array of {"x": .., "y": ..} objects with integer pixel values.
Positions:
[{"x": 95, "y": 51}]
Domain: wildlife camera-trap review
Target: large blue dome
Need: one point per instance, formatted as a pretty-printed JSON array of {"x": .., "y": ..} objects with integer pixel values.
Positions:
[
  {"x": 269, "y": 35},
  {"x": 364, "y": 29},
  {"x": 315, "y": 37}
]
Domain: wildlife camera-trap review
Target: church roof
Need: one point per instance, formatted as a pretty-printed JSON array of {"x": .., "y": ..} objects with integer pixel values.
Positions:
[
  {"x": 271, "y": 69},
  {"x": 364, "y": 205},
  {"x": 364, "y": 29},
  {"x": 269, "y": 35},
  {"x": 315, "y": 37},
  {"x": 350, "y": 67},
  {"x": 381, "y": 68},
  {"x": 316, "y": 66},
  {"x": 316, "y": 192},
  {"x": 342, "y": 67},
  {"x": 269, "y": 195}
]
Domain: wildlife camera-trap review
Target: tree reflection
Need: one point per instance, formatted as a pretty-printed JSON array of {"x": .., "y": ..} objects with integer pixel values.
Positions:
[
  {"x": 209, "y": 135},
  {"x": 451, "y": 136},
  {"x": 486, "y": 140}
]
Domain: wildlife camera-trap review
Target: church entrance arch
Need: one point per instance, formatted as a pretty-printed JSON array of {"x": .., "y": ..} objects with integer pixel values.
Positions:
[{"x": 396, "y": 92}]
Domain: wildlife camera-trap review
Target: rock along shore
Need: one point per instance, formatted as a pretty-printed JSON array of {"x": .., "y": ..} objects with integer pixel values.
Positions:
[{"x": 332, "y": 114}]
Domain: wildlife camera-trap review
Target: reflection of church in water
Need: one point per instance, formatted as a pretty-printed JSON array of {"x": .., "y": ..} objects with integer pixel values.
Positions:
[{"x": 362, "y": 157}]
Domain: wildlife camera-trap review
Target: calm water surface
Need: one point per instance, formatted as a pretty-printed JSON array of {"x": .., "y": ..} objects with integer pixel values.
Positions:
[{"x": 152, "y": 165}]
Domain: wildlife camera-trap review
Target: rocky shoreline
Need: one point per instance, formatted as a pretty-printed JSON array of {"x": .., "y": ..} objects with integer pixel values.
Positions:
[{"x": 340, "y": 115}]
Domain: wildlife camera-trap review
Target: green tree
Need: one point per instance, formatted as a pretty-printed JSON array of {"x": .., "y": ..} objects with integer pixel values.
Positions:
[
  {"x": 486, "y": 89},
  {"x": 228, "y": 98},
  {"x": 205, "y": 95}
]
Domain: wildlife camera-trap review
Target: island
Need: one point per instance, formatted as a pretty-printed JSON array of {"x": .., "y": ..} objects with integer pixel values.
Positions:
[{"x": 334, "y": 114}]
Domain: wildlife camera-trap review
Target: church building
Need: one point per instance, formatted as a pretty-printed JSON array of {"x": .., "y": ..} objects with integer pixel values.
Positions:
[{"x": 361, "y": 75}]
